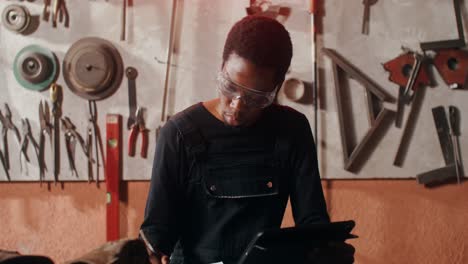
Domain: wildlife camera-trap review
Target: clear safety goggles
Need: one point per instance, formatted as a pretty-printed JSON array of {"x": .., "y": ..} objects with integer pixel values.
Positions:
[{"x": 250, "y": 97}]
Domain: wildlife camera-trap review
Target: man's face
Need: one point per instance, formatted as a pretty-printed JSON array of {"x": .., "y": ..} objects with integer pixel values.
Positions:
[{"x": 246, "y": 107}]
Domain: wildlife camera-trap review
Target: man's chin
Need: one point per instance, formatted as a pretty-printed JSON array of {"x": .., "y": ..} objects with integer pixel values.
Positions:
[{"x": 231, "y": 120}]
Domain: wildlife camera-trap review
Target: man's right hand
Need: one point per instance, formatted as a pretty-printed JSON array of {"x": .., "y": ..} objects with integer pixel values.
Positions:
[{"x": 155, "y": 260}]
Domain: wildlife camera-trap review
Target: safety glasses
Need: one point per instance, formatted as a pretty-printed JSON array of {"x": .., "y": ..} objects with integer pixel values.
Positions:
[{"x": 250, "y": 97}]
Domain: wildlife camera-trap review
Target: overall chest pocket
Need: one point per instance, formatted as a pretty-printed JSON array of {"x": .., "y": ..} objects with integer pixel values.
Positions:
[{"x": 242, "y": 180}]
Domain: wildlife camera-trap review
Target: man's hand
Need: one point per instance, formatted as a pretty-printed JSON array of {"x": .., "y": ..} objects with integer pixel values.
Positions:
[
  {"x": 335, "y": 252},
  {"x": 155, "y": 260}
]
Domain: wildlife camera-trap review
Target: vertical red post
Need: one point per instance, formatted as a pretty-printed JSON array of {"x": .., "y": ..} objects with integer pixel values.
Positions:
[{"x": 113, "y": 174}]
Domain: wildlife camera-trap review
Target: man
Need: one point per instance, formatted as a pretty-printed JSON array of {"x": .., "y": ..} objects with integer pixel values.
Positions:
[{"x": 224, "y": 168}]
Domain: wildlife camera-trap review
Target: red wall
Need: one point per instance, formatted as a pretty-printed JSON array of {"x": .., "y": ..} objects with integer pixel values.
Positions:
[{"x": 398, "y": 221}]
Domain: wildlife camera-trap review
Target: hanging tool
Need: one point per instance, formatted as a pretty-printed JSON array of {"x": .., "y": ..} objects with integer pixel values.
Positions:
[
  {"x": 131, "y": 74},
  {"x": 452, "y": 64},
  {"x": 71, "y": 137},
  {"x": 446, "y": 135},
  {"x": 89, "y": 150},
  {"x": 443, "y": 132},
  {"x": 60, "y": 13},
  {"x": 454, "y": 119},
  {"x": 2, "y": 159},
  {"x": 93, "y": 68},
  {"x": 406, "y": 95},
  {"x": 138, "y": 128},
  {"x": 113, "y": 174},
  {"x": 56, "y": 98},
  {"x": 313, "y": 32},
  {"x": 350, "y": 155},
  {"x": 46, "y": 129},
  {"x": 124, "y": 20},
  {"x": 437, "y": 176},
  {"x": 27, "y": 137},
  {"x": 366, "y": 17},
  {"x": 410, "y": 72},
  {"x": 169, "y": 59},
  {"x": 410, "y": 124},
  {"x": 265, "y": 8},
  {"x": 449, "y": 44},
  {"x": 35, "y": 67},
  {"x": 16, "y": 18},
  {"x": 46, "y": 10},
  {"x": 93, "y": 130},
  {"x": 7, "y": 124}
]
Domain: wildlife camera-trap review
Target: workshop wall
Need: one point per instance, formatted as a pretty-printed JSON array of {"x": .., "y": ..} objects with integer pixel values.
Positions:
[
  {"x": 393, "y": 24},
  {"x": 199, "y": 34}
]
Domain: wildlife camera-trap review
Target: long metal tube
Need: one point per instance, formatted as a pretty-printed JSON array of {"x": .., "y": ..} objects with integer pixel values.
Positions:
[{"x": 169, "y": 59}]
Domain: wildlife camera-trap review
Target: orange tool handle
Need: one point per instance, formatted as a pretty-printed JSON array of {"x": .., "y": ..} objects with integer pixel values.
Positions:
[
  {"x": 144, "y": 143},
  {"x": 312, "y": 6},
  {"x": 132, "y": 141}
]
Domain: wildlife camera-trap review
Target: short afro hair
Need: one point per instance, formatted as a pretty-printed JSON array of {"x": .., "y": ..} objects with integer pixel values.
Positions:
[{"x": 263, "y": 41}]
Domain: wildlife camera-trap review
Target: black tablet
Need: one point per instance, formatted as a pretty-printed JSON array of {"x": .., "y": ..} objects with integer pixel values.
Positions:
[{"x": 291, "y": 245}]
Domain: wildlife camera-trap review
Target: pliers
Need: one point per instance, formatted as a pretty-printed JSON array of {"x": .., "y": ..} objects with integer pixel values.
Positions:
[
  {"x": 46, "y": 10},
  {"x": 137, "y": 128},
  {"x": 27, "y": 136},
  {"x": 71, "y": 137},
  {"x": 93, "y": 130},
  {"x": 2, "y": 159},
  {"x": 7, "y": 124},
  {"x": 60, "y": 12},
  {"x": 46, "y": 129}
]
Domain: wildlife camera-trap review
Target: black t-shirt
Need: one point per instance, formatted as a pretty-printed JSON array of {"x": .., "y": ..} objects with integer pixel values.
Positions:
[{"x": 216, "y": 201}]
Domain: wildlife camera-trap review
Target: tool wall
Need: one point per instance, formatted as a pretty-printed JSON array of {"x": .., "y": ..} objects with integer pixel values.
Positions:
[
  {"x": 364, "y": 79},
  {"x": 91, "y": 44}
]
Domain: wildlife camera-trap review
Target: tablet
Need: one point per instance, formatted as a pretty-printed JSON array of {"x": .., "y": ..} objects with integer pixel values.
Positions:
[{"x": 291, "y": 245}]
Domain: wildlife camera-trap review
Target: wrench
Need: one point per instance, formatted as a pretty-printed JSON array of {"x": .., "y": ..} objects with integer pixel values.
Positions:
[{"x": 131, "y": 74}]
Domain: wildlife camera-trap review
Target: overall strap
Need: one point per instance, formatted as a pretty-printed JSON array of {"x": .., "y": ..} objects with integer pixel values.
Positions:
[{"x": 191, "y": 135}]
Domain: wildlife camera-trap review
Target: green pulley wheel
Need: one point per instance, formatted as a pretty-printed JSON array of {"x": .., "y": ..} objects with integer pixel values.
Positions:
[{"x": 35, "y": 68}]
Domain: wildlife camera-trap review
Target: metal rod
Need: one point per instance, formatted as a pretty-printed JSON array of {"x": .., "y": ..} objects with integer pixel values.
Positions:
[
  {"x": 312, "y": 11},
  {"x": 124, "y": 20},
  {"x": 169, "y": 59}
]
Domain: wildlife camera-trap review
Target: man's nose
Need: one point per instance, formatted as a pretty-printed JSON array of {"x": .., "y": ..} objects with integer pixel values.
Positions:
[{"x": 237, "y": 103}]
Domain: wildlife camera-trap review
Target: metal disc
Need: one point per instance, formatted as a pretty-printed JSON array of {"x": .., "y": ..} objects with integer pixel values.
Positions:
[
  {"x": 35, "y": 67},
  {"x": 16, "y": 18},
  {"x": 93, "y": 68}
]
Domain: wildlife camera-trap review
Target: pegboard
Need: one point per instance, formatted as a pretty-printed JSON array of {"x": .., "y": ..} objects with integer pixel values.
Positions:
[
  {"x": 200, "y": 32},
  {"x": 393, "y": 24}
]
